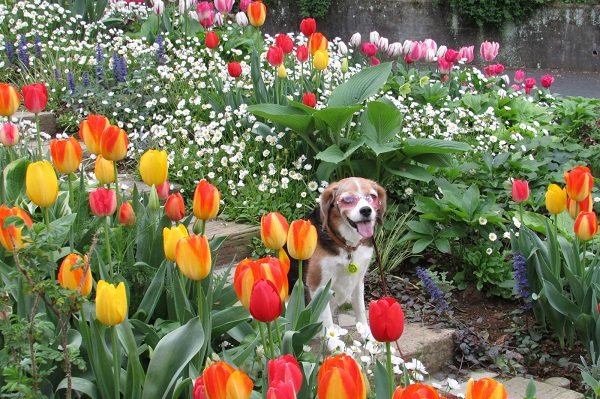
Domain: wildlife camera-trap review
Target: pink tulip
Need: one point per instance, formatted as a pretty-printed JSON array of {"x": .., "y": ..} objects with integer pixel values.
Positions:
[
  {"x": 205, "y": 10},
  {"x": 489, "y": 51},
  {"x": 224, "y": 6},
  {"x": 519, "y": 76},
  {"x": 515, "y": 87},
  {"x": 375, "y": 61},
  {"x": 103, "y": 202},
  {"x": 430, "y": 43},
  {"x": 520, "y": 191},
  {"x": 9, "y": 134},
  {"x": 445, "y": 66},
  {"x": 529, "y": 84},
  {"x": 466, "y": 53},
  {"x": 418, "y": 51},
  {"x": 163, "y": 190},
  {"x": 244, "y": 5},
  {"x": 369, "y": 49},
  {"x": 547, "y": 81}
]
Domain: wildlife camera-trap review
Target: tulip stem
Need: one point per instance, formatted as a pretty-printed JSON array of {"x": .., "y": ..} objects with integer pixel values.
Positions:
[
  {"x": 71, "y": 203},
  {"x": 116, "y": 365},
  {"x": 300, "y": 294},
  {"x": 47, "y": 220},
  {"x": 278, "y": 332},
  {"x": 200, "y": 299},
  {"x": 583, "y": 258},
  {"x": 521, "y": 212},
  {"x": 203, "y": 227},
  {"x": 108, "y": 250},
  {"x": 117, "y": 185},
  {"x": 39, "y": 139},
  {"x": 272, "y": 347},
  {"x": 390, "y": 370},
  {"x": 262, "y": 336}
]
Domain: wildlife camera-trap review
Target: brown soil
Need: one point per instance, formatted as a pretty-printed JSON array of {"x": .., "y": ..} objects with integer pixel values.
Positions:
[{"x": 495, "y": 333}]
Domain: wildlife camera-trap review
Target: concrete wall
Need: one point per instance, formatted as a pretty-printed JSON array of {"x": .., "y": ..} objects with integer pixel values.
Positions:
[{"x": 561, "y": 36}]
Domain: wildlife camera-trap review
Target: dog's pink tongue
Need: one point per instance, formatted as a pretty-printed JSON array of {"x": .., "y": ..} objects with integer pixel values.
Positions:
[{"x": 365, "y": 229}]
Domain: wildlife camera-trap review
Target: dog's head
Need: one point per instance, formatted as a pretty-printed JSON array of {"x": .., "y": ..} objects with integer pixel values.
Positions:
[{"x": 355, "y": 202}]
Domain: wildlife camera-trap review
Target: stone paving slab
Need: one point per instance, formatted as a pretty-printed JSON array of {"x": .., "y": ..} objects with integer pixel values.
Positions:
[
  {"x": 47, "y": 120},
  {"x": 516, "y": 389}
]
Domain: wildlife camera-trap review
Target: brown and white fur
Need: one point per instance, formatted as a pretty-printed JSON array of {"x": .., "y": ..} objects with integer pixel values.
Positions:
[{"x": 345, "y": 235}]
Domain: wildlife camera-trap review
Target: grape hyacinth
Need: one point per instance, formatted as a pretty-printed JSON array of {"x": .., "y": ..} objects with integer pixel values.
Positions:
[
  {"x": 56, "y": 74},
  {"x": 160, "y": 52},
  {"x": 37, "y": 45},
  {"x": 9, "y": 48},
  {"x": 100, "y": 76},
  {"x": 520, "y": 269},
  {"x": 71, "y": 82},
  {"x": 433, "y": 290},
  {"x": 85, "y": 79},
  {"x": 119, "y": 68},
  {"x": 22, "y": 51}
]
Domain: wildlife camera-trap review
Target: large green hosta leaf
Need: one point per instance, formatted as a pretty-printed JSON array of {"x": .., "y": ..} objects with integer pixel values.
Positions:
[
  {"x": 360, "y": 86},
  {"x": 414, "y": 147}
]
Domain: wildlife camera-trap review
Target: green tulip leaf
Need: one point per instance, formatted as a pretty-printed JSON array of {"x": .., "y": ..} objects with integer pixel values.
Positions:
[
  {"x": 382, "y": 384},
  {"x": 14, "y": 178},
  {"x": 172, "y": 354},
  {"x": 82, "y": 385}
]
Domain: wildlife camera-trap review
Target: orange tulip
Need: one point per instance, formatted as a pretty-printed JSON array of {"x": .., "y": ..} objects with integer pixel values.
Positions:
[
  {"x": 10, "y": 99},
  {"x": 90, "y": 131},
  {"x": 206, "y": 200},
  {"x": 340, "y": 378},
  {"x": 579, "y": 183},
  {"x": 249, "y": 271},
  {"x": 127, "y": 214},
  {"x": 302, "y": 239},
  {"x": 257, "y": 12},
  {"x": 586, "y": 225},
  {"x": 284, "y": 259},
  {"x": 71, "y": 271},
  {"x": 175, "y": 207},
  {"x": 104, "y": 170},
  {"x": 193, "y": 257},
  {"x": 113, "y": 143},
  {"x": 171, "y": 237},
  {"x": 485, "y": 388},
  {"x": 10, "y": 237},
  {"x": 221, "y": 381},
  {"x": 574, "y": 208},
  {"x": 316, "y": 42},
  {"x": 273, "y": 230},
  {"x": 416, "y": 391},
  {"x": 66, "y": 155}
]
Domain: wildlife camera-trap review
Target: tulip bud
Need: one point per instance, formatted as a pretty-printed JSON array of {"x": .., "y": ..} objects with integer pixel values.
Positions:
[
  {"x": 429, "y": 55},
  {"x": 265, "y": 304},
  {"x": 344, "y": 65},
  {"x": 35, "y": 97},
  {"x": 10, "y": 99},
  {"x": 257, "y": 13},
  {"x": 10, "y": 236},
  {"x": 520, "y": 191},
  {"x": 211, "y": 40},
  {"x": 9, "y": 134},
  {"x": 206, "y": 200},
  {"x": 309, "y": 99},
  {"x": 193, "y": 257},
  {"x": 281, "y": 72},
  {"x": 355, "y": 40},
  {"x": 126, "y": 214},
  {"x": 575, "y": 208},
  {"x": 241, "y": 19},
  {"x": 274, "y": 229},
  {"x": 197, "y": 227},
  {"x": 158, "y": 6},
  {"x": 374, "y": 38},
  {"x": 234, "y": 69},
  {"x": 171, "y": 237},
  {"x": 113, "y": 143},
  {"x": 519, "y": 76},
  {"x": 579, "y": 183},
  {"x": 547, "y": 81},
  {"x": 308, "y": 26},
  {"x": 386, "y": 320},
  {"x": 556, "y": 199},
  {"x": 154, "y": 201},
  {"x": 395, "y": 49},
  {"x": 302, "y": 239},
  {"x": 302, "y": 53},
  {"x": 407, "y": 46},
  {"x": 66, "y": 155},
  {"x": 90, "y": 131},
  {"x": 154, "y": 167},
  {"x": 342, "y": 49},
  {"x": 383, "y": 44},
  {"x": 163, "y": 190}
]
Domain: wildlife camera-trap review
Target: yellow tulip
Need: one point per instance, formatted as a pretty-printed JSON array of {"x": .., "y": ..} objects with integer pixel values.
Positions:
[
  {"x": 556, "y": 199},
  {"x": 171, "y": 237},
  {"x": 154, "y": 167},
  {"x": 281, "y": 72},
  {"x": 321, "y": 59},
  {"x": 41, "y": 183},
  {"x": 104, "y": 170},
  {"x": 111, "y": 303},
  {"x": 193, "y": 257}
]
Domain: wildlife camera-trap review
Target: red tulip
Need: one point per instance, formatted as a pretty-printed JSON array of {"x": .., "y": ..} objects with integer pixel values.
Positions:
[
  {"x": 10, "y": 99},
  {"x": 519, "y": 76},
  {"x": 445, "y": 66},
  {"x": 204, "y": 9},
  {"x": 275, "y": 56},
  {"x": 285, "y": 43},
  {"x": 211, "y": 40},
  {"x": 113, "y": 143},
  {"x": 10, "y": 237},
  {"x": 375, "y": 61},
  {"x": 273, "y": 230},
  {"x": 126, "y": 214},
  {"x": 199, "y": 391},
  {"x": 66, "y": 155},
  {"x": 416, "y": 391},
  {"x": 579, "y": 183},
  {"x": 285, "y": 368},
  {"x": 369, "y": 49},
  {"x": 35, "y": 97},
  {"x": 529, "y": 84},
  {"x": 309, "y": 99},
  {"x": 103, "y": 202},
  {"x": 586, "y": 225},
  {"x": 340, "y": 378},
  {"x": 90, "y": 131},
  {"x": 250, "y": 271},
  {"x": 451, "y": 55},
  {"x": 234, "y": 69},
  {"x": 308, "y": 26},
  {"x": 386, "y": 319},
  {"x": 265, "y": 303},
  {"x": 520, "y": 191},
  {"x": 302, "y": 53},
  {"x": 281, "y": 389},
  {"x": 547, "y": 81},
  {"x": 316, "y": 42},
  {"x": 206, "y": 200},
  {"x": 175, "y": 207}
]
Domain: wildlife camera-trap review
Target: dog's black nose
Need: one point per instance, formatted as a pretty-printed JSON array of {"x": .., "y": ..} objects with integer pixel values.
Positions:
[{"x": 366, "y": 211}]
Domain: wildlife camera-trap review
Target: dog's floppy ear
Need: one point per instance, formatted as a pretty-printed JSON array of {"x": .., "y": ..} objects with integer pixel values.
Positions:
[
  {"x": 383, "y": 199},
  {"x": 327, "y": 198}
]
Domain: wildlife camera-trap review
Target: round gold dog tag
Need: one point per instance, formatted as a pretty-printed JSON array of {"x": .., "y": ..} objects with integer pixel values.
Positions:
[{"x": 352, "y": 268}]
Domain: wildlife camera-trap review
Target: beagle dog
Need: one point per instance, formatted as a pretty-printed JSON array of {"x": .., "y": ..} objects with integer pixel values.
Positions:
[{"x": 345, "y": 224}]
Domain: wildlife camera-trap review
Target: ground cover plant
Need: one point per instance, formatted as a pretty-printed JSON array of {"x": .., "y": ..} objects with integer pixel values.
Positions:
[{"x": 245, "y": 125}]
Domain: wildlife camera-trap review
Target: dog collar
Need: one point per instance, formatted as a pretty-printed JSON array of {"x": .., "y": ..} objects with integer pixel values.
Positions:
[{"x": 339, "y": 241}]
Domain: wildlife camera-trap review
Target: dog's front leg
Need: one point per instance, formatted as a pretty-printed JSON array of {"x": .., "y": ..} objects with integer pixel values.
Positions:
[
  {"x": 358, "y": 303},
  {"x": 327, "y": 318}
]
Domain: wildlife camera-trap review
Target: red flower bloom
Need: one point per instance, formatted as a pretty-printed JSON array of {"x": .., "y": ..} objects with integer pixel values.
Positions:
[
  {"x": 386, "y": 319},
  {"x": 285, "y": 42},
  {"x": 308, "y": 26},
  {"x": 547, "y": 81},
  {"x": 265, "y": 303},
  {"x": 103, "y": 202},
  {"x": 451, "y": 55},
  {"x": 369, "y": 49},
  {"x": 35, "y": 97},
  {"x": 302, "y": 53},
  {"x": 211, "y": 40},
  {"x": 285, "y": 368},
  {"x": 126, "y": 214},
  {"x": 275, "y": 55},
  {"x": 309, "y": 99},
  {"x": 520, "y": 191},
  {"x": 234, "y": 69},
  {"x": 174, "y": 207}
]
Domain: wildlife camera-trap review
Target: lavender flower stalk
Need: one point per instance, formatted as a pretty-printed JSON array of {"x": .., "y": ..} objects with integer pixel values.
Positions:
[
  {"x": 9, "y": 49},
  {"x": 520, "y": 270},
  {"x": 433, "y": 290},
  {"x": 160, "y": 52},
  {"x": 100, "y": 75},
  {"x": 85, "y": 79},
  {"x": 71, "y": 82},
  {"x": 23, "y": 51},
  {"x": 37, "y": 45}
]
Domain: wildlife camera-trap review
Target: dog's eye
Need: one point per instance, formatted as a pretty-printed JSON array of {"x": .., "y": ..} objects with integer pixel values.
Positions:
[
  {"x": 350, "y": 199},
  {"x": 371, "y": 198}
]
